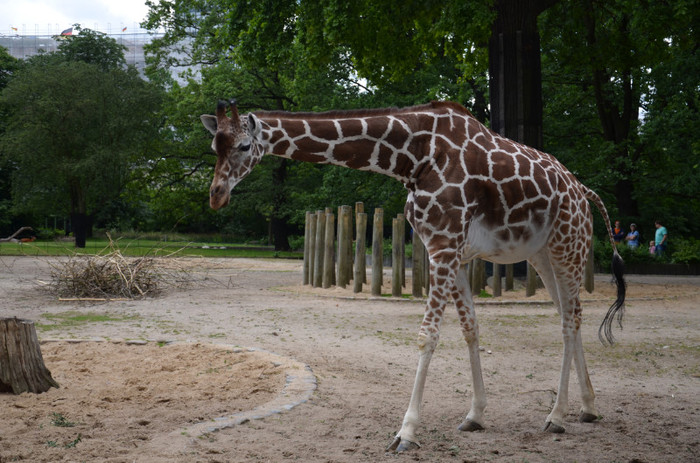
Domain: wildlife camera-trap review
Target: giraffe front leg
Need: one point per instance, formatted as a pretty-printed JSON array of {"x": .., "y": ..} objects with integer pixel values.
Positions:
[
  {"x": 462, "y": 296},
  {"x": 406, "y": 438},
  {"x": 428, "y": 337}
]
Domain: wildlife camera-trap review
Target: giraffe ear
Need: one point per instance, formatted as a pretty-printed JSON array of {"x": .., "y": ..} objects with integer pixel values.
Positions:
[
  {"x": 209, "y": 122},
  {"x": 254, "y": 126}
]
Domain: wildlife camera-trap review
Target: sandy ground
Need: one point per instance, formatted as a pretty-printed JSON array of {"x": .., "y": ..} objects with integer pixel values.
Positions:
[{"x": 129, "y": 402}]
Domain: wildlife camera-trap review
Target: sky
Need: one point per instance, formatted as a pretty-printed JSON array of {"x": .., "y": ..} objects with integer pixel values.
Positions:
[{"x": 54, "y": 16}]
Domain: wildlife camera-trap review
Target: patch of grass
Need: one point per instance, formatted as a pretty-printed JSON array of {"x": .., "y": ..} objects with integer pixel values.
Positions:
[
  {"x": 403, "y": 295},
  {"x": 72, "y": 318},
  {"x": 73, "y": 443},
  {"x": 69, "y": 445},
  {"x": 484, "y": 293},
  {"x": 57, "y": 419},
  {"x": 396, "y": 339},
  {"x": 523, "y": 320},
  {"x": 146, "y": 247}
]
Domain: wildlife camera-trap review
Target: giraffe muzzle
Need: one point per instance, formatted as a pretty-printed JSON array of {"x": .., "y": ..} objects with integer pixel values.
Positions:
[{"x": 218, "y": 197}]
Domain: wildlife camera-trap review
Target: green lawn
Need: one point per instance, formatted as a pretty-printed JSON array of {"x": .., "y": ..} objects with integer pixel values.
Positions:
[{"x": 137, "y": 247}]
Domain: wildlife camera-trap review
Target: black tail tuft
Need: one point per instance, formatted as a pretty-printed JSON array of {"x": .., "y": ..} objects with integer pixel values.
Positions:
[{"x": 605, "y": 331}]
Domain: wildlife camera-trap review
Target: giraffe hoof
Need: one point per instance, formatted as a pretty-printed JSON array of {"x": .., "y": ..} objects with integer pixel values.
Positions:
[
  {"x": 553, "y": 428},
  {"x": 400, "y": 445},
  {"x": 470, "y": 426},
  {"x": 587, "y": 417}
]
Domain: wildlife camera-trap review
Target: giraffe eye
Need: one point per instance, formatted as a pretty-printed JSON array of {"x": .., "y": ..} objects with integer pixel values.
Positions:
[{"x": 243, "y": 147}]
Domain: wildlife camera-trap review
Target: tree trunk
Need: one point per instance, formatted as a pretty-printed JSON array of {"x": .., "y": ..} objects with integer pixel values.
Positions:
[
  {"x": 278, "y": 224},
  {"x": 515, "y": 73},
  {"x": 617, "y": 105},
  {"x": 79, "y": 223},
  {"x": 22, "y": 367},
  {"x": 78, "y": 215}
]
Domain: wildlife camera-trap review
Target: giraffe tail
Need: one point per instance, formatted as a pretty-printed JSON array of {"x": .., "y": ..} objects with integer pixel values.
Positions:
[{"x": 618, "y": 269}]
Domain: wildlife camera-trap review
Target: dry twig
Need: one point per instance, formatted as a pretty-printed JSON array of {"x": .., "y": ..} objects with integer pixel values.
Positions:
[{"x": 110, "y": 275}]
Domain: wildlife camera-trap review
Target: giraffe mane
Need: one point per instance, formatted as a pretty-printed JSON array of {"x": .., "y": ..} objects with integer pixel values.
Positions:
[{"x": 350, "y": 113}]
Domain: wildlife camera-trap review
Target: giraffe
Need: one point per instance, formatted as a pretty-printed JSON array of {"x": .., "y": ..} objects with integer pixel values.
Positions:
[{"x": 471, "y": 193}]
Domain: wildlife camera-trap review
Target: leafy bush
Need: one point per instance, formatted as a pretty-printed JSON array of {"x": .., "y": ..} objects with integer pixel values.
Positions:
[
  {"x": 686, "y": 251},
  {"x": 296, "y": 242},
  {"x": 602, "y": 251},
  {"x": 681, "y": 251},
  {"x": 49, "y": 233}
]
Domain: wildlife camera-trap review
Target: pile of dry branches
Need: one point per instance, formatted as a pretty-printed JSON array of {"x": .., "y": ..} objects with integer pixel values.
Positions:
[{"x": 112, "y": 275}]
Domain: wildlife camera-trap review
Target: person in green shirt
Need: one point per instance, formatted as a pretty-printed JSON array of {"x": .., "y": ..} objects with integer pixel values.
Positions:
[{"x": 661, "y": 238}]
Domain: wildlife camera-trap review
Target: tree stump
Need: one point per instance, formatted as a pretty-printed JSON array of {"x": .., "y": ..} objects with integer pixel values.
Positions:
[{"x": 22, "y": 367}]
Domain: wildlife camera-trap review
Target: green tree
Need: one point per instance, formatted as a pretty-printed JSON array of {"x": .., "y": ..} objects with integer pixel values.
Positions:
[
  {"x": 8, "y": 67},
  {"x": 263, "y": 62},
  {"x": 94, "y": 47},
  {"x": 622, "y": 95},
  {"x": 617, "y": 76},
  {"x": 73, "y": 130}
]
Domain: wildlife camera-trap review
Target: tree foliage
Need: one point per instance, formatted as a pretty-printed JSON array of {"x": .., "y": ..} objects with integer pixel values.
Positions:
[
  {"x": 73, "y": 128},
  {"x": 622, "y": 95},
  {"x": 620, "y": 86}
]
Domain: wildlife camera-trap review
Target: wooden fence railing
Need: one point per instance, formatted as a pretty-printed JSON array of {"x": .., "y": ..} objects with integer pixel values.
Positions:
[{"x": 329, "y": 259}]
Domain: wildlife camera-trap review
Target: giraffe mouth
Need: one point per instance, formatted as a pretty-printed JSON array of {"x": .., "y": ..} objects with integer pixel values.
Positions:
[
  {"x": 217, "y": 203},
  {"x": 219, "y": 197}
]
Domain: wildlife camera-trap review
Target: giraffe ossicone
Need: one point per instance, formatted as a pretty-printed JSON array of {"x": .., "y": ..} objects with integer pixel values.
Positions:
[{"x": 471, "y": 193}]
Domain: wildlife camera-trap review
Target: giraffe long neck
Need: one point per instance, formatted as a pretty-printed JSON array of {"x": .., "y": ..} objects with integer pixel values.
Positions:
[{"x": 389, "y": 144}]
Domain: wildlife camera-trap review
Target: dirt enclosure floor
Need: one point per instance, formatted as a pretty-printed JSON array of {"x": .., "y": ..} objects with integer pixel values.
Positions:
[{"x": 174, "y": 379}]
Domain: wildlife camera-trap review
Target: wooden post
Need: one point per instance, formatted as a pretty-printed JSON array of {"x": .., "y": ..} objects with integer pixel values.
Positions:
[
  {"x": 417, "y": 262},
  {"x": 344, "y": 245},
  {"x": 509, "y": 277},
  {"x": 347, "y": 246},
  {"x": 360, "y": 274},
  {"x": 22, "y": 367},
  {"x": 470, "y": 275},
  {"x": 312, "y": 248},
  {"x": 476, "y": 267},
  {"x": 481, "y": 274},
  {"x": 588, "y": 282},
  {"x": 320, "y": 247},
  {"x": 531, "y": 286},
  {"x": 496, "y": 280},
  {"x": 426, "y": 270},
  {"x": 377, "y": 245},
  {"x": 329, "y": 239},
  {"x": 327, "y": 211},
  {"x": 307, "y": 243},
  {"x": 402, "y": 244},
  {"x": 360, "y": 209},
  {"x": 395, "y": 258}
]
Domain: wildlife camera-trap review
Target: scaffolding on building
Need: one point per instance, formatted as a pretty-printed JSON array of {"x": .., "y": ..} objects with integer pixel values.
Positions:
[{"x": 23, "y": 44}]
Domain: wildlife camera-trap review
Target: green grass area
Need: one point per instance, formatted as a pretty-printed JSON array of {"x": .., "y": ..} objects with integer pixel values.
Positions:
[
  {"x": 73, "y": 319},
  {"x": 138, "y": 247}
]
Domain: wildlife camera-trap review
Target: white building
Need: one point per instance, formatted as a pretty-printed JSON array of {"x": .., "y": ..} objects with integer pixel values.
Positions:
[{"x": 26, "y": 45}]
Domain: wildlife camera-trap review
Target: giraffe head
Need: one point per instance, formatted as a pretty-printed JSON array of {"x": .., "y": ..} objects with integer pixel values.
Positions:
[{"x": 237, "y": 147}]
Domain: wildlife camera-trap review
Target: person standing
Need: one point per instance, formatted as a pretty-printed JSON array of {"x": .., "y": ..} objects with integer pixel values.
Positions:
[
  {"x": 661, "y": 238},
  {"x": 632, "y": 237},
  {"x": 618, "y": 233}
]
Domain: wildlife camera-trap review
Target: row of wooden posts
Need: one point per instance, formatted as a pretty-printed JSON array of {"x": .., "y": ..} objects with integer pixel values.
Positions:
[{"x": 329, "y": 259}]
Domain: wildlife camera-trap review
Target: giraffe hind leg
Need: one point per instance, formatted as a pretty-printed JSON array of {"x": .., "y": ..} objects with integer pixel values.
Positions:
[{"x": 570, "y": 316}]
